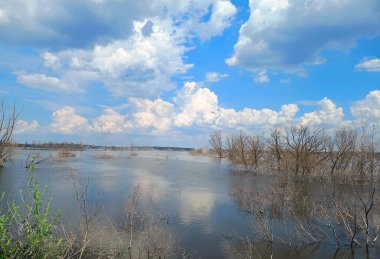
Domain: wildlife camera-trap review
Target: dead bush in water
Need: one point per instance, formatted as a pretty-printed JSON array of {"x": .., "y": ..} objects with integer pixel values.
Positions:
[
  {"x": 276, "y": 146},
  {"x": 340, "y": 150},
  {"x": 305, "y": 153},
  {"x": 66, "y": 154},
  {"x": 8, "y": 121},
  {"x": 216, "y": 142},
  {"x": 280, "y": 198},
  {"x": 245, "y": 151},
  {"x": 105, "y": 156},
  {"x": 355, "y": 218},
  {"x": 286, "y": 214},
  {"x": 143, "y": 234},
  {"x": 304, "y": 150},
  {"x": 367, "y": 160}
]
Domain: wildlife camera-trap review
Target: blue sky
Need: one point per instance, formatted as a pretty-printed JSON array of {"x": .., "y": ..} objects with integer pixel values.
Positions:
[{"x": 167, "y": 72}]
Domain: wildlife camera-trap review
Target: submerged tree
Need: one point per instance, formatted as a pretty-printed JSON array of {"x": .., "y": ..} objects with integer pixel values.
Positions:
[
  {"x": 8, "y": 119},
  {"x": 304, "y": 146},
  {"x": 216, "y": 142}
]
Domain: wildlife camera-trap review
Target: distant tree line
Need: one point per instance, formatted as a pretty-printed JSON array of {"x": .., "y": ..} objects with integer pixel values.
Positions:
[{"x": 52, "y": 145}]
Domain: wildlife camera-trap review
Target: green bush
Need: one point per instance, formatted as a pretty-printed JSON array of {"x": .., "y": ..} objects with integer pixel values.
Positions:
[{"x": 29, "y": 231}]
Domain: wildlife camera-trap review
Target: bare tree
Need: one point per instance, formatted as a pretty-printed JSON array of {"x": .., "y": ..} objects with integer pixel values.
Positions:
[
  {"x": 244, "y": 150},
  {"x": 255, "y": 150},
  {"x": 216, "y": 142},
  {"x": 8, "y": 119},
  {"x": 240, "y": 150},
  {"x": 340, "y": 150},
  {"x": 367, "y": 160},
  {"x": 276, "y": 146},
  {"x": 305, "y": 147}
]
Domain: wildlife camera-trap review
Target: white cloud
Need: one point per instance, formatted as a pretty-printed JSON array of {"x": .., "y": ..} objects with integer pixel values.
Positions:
[
  {"x": 249, "y": 117},
  {"x": 368, "y": 108},
  {"x": 110, "y": 122},
  {"x": 215, "y": 77},
  {"x": 60, "y": 24},
  {"x": 328, "y": 114},
  {"x": 370, "y": 65},
  {"x": 157, "y": 114},
  {"x": 221, "y": 18},
  {"x": 23, "y": 126},
  {"x": 197, "y": 105},
  {"x": 140, "y": 66},
  {"x": 262, "y": 77},
  {"x": 50, "y": 60},
  {"x": 4, "y": 19},
  {"x": 66, "y": 121},
  {"x": 285, "y": 35},
  {"x": 135, "y": 52},
  {"x": 46, "y": 83}
]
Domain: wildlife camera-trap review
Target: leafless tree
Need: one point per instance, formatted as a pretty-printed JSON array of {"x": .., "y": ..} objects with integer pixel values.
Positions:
[
  {"x": 8, "y": 119},
  {"x": 230, "y": 147},
  {"x": 244, "y": 150},
  {"x": 216, "y": 142},
  {"x": 238, "y": 150},
  {"x": 367, "y": 159},
  {"x": 304, "y": 145},
  {"x": 340, "y": 150},
  {"x": 87, "y": 215},
  {"x": 276, "y": 146},
  {"x": 256, "y": 148}
]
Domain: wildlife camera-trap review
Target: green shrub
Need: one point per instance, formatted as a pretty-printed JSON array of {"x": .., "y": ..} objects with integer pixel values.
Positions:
[{"x": 29, "y": 231}]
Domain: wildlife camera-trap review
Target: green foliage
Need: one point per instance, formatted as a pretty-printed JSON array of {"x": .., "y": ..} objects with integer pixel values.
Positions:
[{"x": 28, "y": 231}]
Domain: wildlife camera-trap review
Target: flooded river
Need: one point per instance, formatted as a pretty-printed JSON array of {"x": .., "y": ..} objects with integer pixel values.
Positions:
[{"x": 190, "y": 195}]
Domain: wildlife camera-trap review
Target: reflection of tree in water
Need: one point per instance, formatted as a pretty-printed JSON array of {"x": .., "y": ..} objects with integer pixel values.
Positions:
[{"x": 287, "y": 215}]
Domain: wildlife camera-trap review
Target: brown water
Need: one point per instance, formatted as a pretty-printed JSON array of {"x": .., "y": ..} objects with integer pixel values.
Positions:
[{"x": 191, "y": 194}]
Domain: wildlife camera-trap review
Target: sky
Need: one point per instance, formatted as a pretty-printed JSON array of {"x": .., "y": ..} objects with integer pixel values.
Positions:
[{"x": 168, "y": 73}]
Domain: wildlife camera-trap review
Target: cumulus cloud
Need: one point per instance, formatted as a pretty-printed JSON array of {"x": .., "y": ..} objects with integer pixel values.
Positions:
[
  {"x": 215, "y": 77},
  {"x": 370, "y": 65},
  {"x": 140, "y": 66},
  {"x": 157, "y": 114},
  {"x": 197, "y": 105},
  {"x": 285, "y": 35},
  {"x": 50, "y": 60},
  {"x": 80, "y": 24},
  {"x": 44, "y": 82},
  {"x": 251, "y": 118},
  {"x": 221, "y": 16},
  {"x": 132, "y": 49},
  {"x": 368, "y": 108},
  {"x": 23, "y": 126},
  {"x": 66, "y": 121},
  {"x": 110, "y": 122},
  {"x": 67, "y": 24},
  {"x": 328, "y": 114}
]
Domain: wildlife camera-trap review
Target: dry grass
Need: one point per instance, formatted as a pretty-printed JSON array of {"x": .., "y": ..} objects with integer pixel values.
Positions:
[
  {"x": 66, "y": 154},
  {"x": 105, "y": 156}
]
